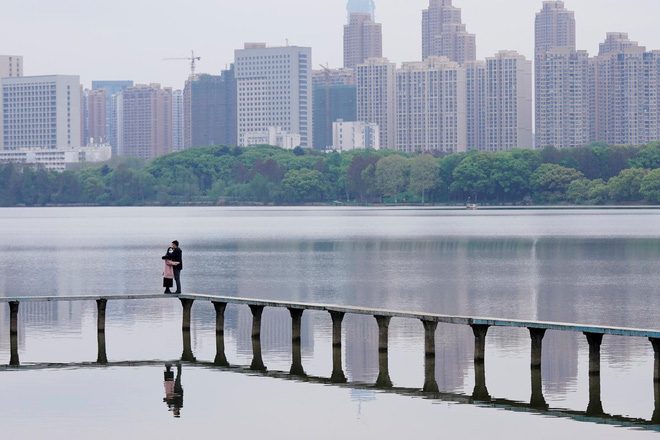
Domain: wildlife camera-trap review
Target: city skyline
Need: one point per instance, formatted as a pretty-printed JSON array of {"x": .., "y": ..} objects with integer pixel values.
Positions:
[{"x": 115, "y": 47}]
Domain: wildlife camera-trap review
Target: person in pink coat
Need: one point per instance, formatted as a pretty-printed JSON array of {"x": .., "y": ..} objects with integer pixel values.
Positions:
[{"x": 168, "y": 272}]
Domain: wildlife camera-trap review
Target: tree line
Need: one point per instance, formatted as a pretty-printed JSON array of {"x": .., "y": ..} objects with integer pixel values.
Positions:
[{"x": 596, "y": 174}]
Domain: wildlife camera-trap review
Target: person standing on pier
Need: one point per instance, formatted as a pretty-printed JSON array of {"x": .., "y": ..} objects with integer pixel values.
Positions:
[
  {"x": 177, "y": 256},
  {"x": 168, "y": 271}
]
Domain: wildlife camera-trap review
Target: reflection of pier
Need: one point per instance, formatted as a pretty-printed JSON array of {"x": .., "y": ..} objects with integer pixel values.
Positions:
[{"x": 594, "y": 336}]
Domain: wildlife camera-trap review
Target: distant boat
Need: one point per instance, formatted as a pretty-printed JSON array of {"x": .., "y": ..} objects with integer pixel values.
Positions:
[{"x": 470, "y": 206}]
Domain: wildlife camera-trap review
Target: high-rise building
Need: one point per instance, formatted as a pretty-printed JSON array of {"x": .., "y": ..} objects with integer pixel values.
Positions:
[
  {"x": 431, "y": 106},
  {"x": 361, "y": 6},
  {"x": 475, "y": 81},
  {"x": 177, "y": 120},
  {"x": 554, "y": 27},
  {"x": 95, "y": 120},
  {"x": 444, "y": 34},
  {"x": 508, "y": 101},
  {"x": 40, "y": 112},
  {"x": 562, "y": 98},
  {"x": 274, "y": 89},
  {"x": 332, "y": 103},
  {"x": 561, "y": 80},
  {"x": 111, "y": 88},
  {"x": 144, "y": 116},
  {"x": 376, "y": 100},
  {"x": 626, "y": 88},
  {"x": 11, "y": 66},
  {"x": 210, "y": 110},
  {"x": 362, "y": 39}
]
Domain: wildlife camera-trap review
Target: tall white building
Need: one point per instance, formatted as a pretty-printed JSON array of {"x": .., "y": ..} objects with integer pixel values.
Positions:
[
  {"x": 11, "y": 66},
  {"x": 554, "y": 27},
  {"x": 508, "y": 101},
  {"x": 177, "y": 120},
  {"x": 41, "y": 112},
  {"x": 349, "y": 135},
  {"x": 274, "y": 86},
  {"x": 444, "y": 34},
  {"x": 431, "y": 98},
  {"x": 475, "y": 81},
  {"x": 376, "y": 100}
]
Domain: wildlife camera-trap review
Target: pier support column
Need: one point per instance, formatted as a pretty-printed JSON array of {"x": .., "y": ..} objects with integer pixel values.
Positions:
[
  {"x": 187, "y": 354},
  {"x": 537, "y": 342},
  {"x": 656, "y": 364},
  {"x": 480, "y": 391},
  {"x": 13, "y": 317},
  {"x": 383, "y": 379},
  {"x": 13, "y": 345},
  {"x": 257, "y": 360},
  {"x": 296, "y": 354},
  {"x": 338, "y": 375},
  {"x": 595, "y": 406},
  {"x": 187, "y": 308},
  {"x": 655, "y": 418},
  {"x": 479, "y": 331},
  {"x": 594, "y": 340},
  {"x": 101, "y": 355},
  {"x": 430, "y": 384},
  {"x": 537, "y": 400},
  {"x": 101, "y": 305},
  {"x": 220, "y": 358}
]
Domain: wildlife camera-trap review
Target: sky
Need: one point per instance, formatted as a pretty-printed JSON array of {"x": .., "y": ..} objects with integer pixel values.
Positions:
[{"x": 128, "y": 39}]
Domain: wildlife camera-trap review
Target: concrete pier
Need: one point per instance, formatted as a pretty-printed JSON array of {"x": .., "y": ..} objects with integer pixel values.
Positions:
[
  {"x": 13, "y": 317},
  {"x": 594, "y": 340},
  {"x": 537, "y": 400},
  {"x": 101, "y": 355},
  {"x": 430, "y": 384},
  {"x": 257, "y": 311},
  {"x": 536, "y": 335},
  {"x": 480, "y": 391},
  {"x": 479, "y": 331},
  {"x": 101, "y": 305},
  {"x": 338, "y": 375},
  {"x": 13, "y": 349},
  {"x": 220, "y": 357},
  {"x": 383, "y": 380},
  {"x": 595, "y": 406},
  {"x": 337, "y": 318},
  {"x": 187, "y": 354},
  {"x": 296, "y": 353},
  {"x": 257, "y": 363},
  {"x": 655, "y": 342},
  {"x": 187, "y": 308}
]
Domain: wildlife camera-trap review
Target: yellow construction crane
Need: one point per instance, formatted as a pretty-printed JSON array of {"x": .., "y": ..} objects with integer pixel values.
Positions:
[
  {"x": 192, "y": 58},
  {"x": 328, "y": 126}
]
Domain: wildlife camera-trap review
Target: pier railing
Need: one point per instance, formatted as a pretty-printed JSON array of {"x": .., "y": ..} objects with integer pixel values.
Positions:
[{"x": 429, "y": 321}]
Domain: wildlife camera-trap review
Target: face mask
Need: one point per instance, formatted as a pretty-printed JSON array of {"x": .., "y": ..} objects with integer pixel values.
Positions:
[{"x": 170, "y": 251}]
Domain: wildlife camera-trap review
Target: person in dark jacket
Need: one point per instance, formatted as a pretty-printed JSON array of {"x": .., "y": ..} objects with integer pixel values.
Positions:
[{"x": 177, "y": 256}]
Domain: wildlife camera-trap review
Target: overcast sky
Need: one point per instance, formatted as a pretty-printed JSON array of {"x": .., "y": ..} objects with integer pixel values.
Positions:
[{"x": 127, "y": 39}]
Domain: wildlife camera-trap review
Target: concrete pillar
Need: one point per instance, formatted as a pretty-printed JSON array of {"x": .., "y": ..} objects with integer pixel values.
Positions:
[
  {"x": 537, "y": 340},
  {"x": 480, "y": 391},
  {"x": 13, "y": 317},
  {"x": 220, "y": 358},
  {"x": 101, "y": 355},
  {"x": 383, "y": 380},
  {"x": 430, "y": 384},
  {"x": 257, "y": 311},
  {"x": 338, "y": 375},
  {"x": 13, "y": 344},
  {"x": 479, "y": 331},
  {"x": 594, "y": 340},
  {"x": 537, "y": 401},
  {"x": 337, "y": 318},
  {"x": 383, "y": 326},
  {"x": 595, "y": 406},
  {"x": 656, "y": 364},
  {"x": 655, "y": 419},
  {"x": 100, "y": 316},
  {"x": 296, "y": 352},
  {"x": 187, "y": 354},
  {"x": 187, "y": 307}
]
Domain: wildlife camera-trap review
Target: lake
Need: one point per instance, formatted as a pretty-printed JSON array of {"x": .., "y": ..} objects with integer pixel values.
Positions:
[{"x": 587, "y": 266}]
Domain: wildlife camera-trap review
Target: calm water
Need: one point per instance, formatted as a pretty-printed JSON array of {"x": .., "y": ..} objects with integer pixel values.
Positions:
[{"x": 586, "y": 266}]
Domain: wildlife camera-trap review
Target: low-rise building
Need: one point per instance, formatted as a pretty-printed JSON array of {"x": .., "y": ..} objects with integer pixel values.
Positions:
[
  {"x": 271, "y": 136},
  {"x": 355, "y": 135}
]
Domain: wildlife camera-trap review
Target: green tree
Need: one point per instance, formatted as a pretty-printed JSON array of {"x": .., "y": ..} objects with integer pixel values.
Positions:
[
  {"x": 510, "y": 176},
  {"x": 650, "y": 188},
  {"x": 578, "y": 191},
  {"x": 648, "y": 157},
  {"x": 472, "y": 175},
  {"x": 424, "y": 174},
  {"x": 597, "y": 192},
  {"x": 550, "y": 181},
  {"x": 626, "y": 186},
  {"x": 304, "y": 186},
  {"x": 392, "y": 175}
]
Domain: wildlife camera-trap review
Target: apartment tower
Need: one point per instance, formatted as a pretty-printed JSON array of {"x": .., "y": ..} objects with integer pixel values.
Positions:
[
  {"x": 376, "y": 97},
  {"x": 11, "y": 66},
  {"x": 362, "y": 39},
  {"x": 95, "y": 129},
  {"x": 274, "y": 89},
  {"x": 444, "y": 34}
]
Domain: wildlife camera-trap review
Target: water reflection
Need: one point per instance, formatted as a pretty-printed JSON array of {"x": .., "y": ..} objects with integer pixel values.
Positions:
[{"x": 173, "y": 390}]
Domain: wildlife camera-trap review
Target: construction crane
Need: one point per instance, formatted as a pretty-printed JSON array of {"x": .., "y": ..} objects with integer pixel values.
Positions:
[
  {"x": 192, "y": 58},
  {"x": 328, "y": 128}
]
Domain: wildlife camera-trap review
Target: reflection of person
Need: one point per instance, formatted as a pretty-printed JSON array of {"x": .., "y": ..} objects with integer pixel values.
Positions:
[
  {"x": 168, "y": 272},
  {"x": 173, "y": 390},
  {"x": 177, "y": 256}
]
